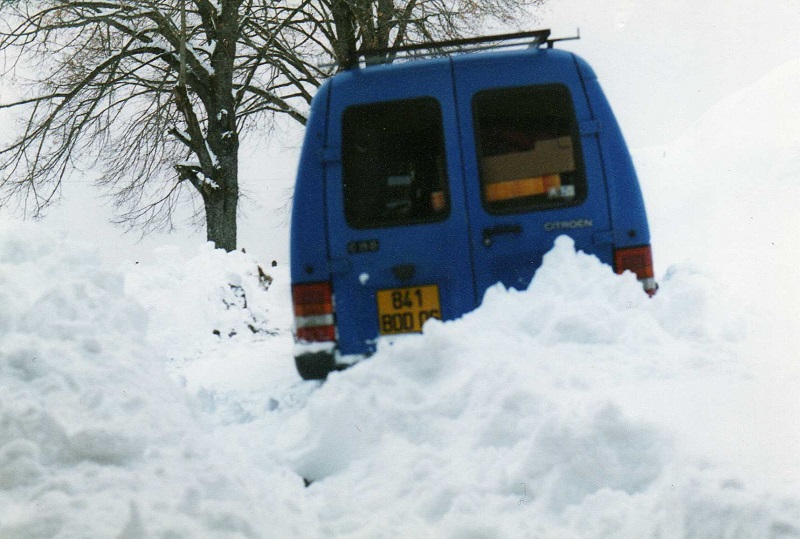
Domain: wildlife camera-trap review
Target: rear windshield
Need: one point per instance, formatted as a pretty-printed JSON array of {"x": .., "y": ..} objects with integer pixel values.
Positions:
[
  {"x": 528, "y": 149},
  {"x": 393, "y": 162}
]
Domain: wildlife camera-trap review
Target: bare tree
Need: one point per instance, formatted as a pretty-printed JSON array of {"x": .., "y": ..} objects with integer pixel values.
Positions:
[
  {"x": 358, "y": 25},
  {"x": 157, "y": 94}
]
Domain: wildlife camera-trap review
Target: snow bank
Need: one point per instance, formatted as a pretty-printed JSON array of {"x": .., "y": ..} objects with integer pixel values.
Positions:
[
  {"x": 212, "y": 296},
  {"x": 578, "y": 408},
  {"x": 567, "y": 410},
  {"x": 224, "y": 321},
  {"x": 96, "y": 440},
  {"x": 725, "y": 195}
]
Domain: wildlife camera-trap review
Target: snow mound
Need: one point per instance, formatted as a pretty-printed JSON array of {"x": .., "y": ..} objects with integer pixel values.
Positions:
[
  {"x": 725, "y": 195},
  {"x": 559, "y": 411},
  {"x": 211, "y": 297},
  {"x": 96, "y": 440}
]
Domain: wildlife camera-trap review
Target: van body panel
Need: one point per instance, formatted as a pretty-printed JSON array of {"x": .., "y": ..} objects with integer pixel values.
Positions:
[
  {"x": 513, "y": 255},
  {"x": 309, "y": 259},
  {"x": 624, "y": 192},
  {"x": 625, "y": 199},
  {"x": 402, "y": 255}
]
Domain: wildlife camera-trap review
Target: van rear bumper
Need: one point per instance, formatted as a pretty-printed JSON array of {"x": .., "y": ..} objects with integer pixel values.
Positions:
[{"x": 315, "y": 365}]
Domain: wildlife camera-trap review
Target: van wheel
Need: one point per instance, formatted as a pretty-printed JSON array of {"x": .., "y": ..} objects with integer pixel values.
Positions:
[{"x": 315, "y": 366}]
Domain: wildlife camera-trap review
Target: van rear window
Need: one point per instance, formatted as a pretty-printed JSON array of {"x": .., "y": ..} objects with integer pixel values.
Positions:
[
  {"x": 528, "y": 149},
  {"x": 393, "y": 161}
]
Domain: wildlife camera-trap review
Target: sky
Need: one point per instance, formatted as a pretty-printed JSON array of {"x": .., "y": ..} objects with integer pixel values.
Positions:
[{"x": 663, "y": 64}]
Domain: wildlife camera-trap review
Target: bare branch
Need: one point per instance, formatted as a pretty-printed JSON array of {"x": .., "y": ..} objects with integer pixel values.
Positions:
[{"x": 101, "y": 88}]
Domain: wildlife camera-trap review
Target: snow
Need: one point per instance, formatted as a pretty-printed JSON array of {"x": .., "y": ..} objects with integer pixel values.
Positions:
[
  {"x": 158, "y": 398},
  {"x": 726, "y": 173},
  {"x": 96, "y": 439},
  {"x": 202, "y": 60},
  {"x": 578, "y": 408},
  {"x": 213, "y": 157},
  {"x": 161, "y": 399}
]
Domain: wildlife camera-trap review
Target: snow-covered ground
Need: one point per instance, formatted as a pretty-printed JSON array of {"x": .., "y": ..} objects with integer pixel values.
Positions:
[{"x": 159, "y": 399}]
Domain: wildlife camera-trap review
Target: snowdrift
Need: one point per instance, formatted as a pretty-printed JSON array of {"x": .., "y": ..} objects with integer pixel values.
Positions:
[
  {"x": 96, "y": 440},
  {"x": 577, "y": 408},
  {"x": 724, "y": 196}
]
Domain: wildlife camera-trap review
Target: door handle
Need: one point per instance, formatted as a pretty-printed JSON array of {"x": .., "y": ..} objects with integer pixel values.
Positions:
[{"x": 490, "y": 232}]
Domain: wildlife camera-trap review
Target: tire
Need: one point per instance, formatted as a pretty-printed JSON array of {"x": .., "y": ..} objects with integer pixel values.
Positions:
[{"x": 315, "y": 366}]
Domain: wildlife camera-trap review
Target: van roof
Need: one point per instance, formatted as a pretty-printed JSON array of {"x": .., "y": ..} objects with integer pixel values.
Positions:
[{"x": 520, "y": 43}]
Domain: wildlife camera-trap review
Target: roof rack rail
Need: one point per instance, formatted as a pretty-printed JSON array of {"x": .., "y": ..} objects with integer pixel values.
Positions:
[{"x": 388, "y": 54}]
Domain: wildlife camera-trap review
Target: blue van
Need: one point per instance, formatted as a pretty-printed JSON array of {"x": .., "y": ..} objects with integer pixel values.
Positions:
[{"x": 422, "y": 183}]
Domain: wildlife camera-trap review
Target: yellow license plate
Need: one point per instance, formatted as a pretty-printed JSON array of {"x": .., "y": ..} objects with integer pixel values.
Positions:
[{"x": 405, "y": 310}]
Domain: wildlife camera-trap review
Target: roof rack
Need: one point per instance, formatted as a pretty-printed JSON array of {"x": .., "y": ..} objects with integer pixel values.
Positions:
[{"x": 533, "y": 39}]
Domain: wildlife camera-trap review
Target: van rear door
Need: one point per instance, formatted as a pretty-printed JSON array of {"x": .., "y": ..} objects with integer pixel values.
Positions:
[
  {"x": 531, "y": 162},
  {"x": 395, "y": 203}
]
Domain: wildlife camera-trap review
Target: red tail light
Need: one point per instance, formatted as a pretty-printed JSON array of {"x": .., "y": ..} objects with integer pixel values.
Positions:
[
  {"x": 313, "y": 312},
  {"x": 638, "y": 260},
  {"x": 316, "y": 333}
]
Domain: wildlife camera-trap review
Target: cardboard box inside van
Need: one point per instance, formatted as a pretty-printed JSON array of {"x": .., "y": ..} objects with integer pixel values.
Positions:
[{"x": 549, "y": 156}]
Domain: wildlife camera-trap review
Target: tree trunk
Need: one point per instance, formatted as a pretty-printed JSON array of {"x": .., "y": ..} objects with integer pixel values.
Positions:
[
  {"x": 222, "y": 139},
  {"x": 344, "y": 44},
  {"x": 220, "y": 206}
]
